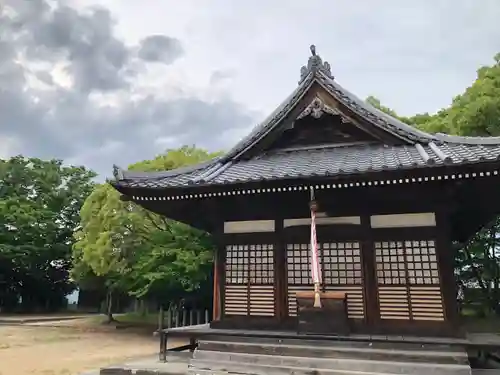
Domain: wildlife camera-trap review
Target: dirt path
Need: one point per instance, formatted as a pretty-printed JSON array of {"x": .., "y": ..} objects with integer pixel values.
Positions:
[{"x": 67, "y": 350}]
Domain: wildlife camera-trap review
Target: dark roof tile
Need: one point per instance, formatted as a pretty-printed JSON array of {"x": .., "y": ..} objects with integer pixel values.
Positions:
[{"x": 333, "y": 161}]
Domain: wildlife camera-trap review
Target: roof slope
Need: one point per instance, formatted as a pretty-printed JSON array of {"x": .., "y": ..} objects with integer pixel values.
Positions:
[
  {"x": 326, "y": 162},
  {"x": 422, "y": 149}
]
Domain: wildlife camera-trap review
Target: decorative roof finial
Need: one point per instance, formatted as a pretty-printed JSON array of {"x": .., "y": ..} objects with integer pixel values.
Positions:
[
  {"x": 313, "y": 49},
  {"x": 117, "y": 172},
  {"x": 315, "y": 64}
]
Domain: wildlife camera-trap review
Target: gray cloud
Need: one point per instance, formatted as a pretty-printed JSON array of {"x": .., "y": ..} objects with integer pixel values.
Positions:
[
  {"x": 160, "y": 48},
  {"x": 219, "y": 76},
  {"x": 42, "y": 116}
]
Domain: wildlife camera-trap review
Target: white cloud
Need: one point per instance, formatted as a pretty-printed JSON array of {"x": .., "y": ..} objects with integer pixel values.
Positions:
[{"x": 164, "y": 73}]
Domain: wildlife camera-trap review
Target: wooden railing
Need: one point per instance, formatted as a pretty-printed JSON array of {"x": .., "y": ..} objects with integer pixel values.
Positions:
[{"x": 175, "y": 317}]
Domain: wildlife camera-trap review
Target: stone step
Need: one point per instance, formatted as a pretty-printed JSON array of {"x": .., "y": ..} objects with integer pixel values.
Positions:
[
  {"x": 206, "y": 360},
  {"x": 220, "y": 368},
  {"x": 335, "y": 351},
  {"x": 226, "y": 368},
  {"x": 355, "y": 343},
  {"x": 149, "y": 367}
]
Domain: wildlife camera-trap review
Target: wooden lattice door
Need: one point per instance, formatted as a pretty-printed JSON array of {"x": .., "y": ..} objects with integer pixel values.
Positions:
[
  {"x": 341, "y": 267},
  {"x": 408, "y": 280},
  {"x": 249, "y": 280}
]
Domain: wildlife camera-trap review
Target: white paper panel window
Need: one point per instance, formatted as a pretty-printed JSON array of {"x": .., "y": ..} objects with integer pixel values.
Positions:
[
  {"x": 424, "y": 219},
  {"x": 322, "y": 220},
  {"x": 250, "y": 226}
]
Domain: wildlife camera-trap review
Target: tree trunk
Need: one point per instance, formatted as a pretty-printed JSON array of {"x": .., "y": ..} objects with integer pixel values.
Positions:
[
  {"x": 109, "y": 307},
  {"x": 142, "y": 309}
]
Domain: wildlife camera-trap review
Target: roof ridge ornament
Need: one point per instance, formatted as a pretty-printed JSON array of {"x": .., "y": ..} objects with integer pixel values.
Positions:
[
  {"x": 117, "y": 173},
  {"x": 315, "y": 64},
  {"x": 318, "y": 108}
]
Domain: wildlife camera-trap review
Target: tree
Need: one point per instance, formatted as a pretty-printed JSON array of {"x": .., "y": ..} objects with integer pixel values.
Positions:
[
  {"x": 476, "y": 112},
  {"x": 39, "y": 206},
  {"x": 419, "y": 120},
  {"x": 104, "y": 243},
  {"x": 135, "y": 250},
  {"x": 175, "y": 158}
]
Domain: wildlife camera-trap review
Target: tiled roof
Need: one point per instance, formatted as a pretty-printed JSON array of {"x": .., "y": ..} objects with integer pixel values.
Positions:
[
  {"x": 421, "y": 149},
  {"x": 335, "y": 161}
]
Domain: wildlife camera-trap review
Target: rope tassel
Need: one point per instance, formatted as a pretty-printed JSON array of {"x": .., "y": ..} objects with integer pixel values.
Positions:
[{"x": 315, "y": 269}]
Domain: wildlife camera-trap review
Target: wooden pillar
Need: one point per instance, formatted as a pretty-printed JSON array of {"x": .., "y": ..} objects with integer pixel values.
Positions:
[
  {"x": 446, "y": 262},
  {"x": 217, "y": 307},
  {"x": 217, "y": 226},
  {"x": 372, "y": 314},
  {"x": 281, "y": 301}
]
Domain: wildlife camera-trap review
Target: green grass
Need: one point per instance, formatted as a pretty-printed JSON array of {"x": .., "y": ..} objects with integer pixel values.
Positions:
[
  {"x": 129, "y": 318},
  {"x": 150, "y": 318}
]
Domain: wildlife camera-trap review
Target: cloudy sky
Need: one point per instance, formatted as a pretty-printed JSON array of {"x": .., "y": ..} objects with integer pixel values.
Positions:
[{"x": 98, "y": 82}]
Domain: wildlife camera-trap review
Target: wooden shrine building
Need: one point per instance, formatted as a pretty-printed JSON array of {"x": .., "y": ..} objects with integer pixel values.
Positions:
[{"x": 392, "y": 202}]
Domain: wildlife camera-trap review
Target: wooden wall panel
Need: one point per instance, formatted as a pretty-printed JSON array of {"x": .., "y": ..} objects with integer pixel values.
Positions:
[
  {"x": 426, "y": 303},
  {"x": 394, "y": 302},
  {"x": 261, "y": 300},
  {"x": 236, "y": 300}
]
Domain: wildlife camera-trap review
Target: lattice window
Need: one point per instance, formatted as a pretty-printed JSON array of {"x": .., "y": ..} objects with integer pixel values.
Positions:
[
  {"x": 341, "y": 263},
  {"x": 422, "y": 263},
  {"x": 390, "y": 260},
  {"x": 406, "y": 262},
  {"x": 299, "y": 264},
  {"x": 261, "y": 264},
  {"x": 237, "y": 264},
  {"x": 252, "y": 264}
]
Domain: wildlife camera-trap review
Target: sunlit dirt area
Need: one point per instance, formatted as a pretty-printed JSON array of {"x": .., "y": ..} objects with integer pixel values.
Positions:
[{"x": 68, "y": 347}]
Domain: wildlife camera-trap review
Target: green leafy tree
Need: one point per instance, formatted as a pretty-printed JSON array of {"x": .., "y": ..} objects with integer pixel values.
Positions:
[
  {"x": 175, "y": 158},
  {"x": 135, "y": 250},
  {"x": 104, "y": 243},
  {"x": 476, "y": 112},
  {"x": 39, "y": 209}
]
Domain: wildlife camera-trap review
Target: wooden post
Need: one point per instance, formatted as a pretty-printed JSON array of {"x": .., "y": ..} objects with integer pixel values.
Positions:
[
  {"x": 198, "y": 316},
  {"x": 216, "y": 290},
  {"x": 161, "y": 318},
  {"x": 169, "y": 317},
  {"x": 370, "y": 286},
  {"x": 280, "y": 280},
  {"x": 184, "y": 317},
  {"x": 207, "y": 318},
  {"x": 217, "y": 225},
  {"x": 163, "y": 346},
  {"x": 446, "y": 256},
  {"x": 191, "y": 317}
]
